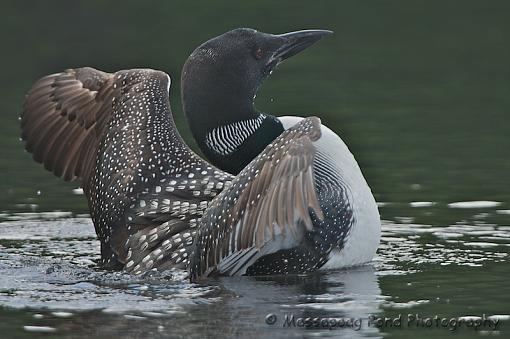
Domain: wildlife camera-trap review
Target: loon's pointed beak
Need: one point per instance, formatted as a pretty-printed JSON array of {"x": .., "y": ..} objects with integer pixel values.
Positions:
[{"x": 295, "y": 42}]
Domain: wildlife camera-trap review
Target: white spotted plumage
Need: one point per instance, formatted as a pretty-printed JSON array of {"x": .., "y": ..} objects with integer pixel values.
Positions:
[{"x": 148, "y": 192}]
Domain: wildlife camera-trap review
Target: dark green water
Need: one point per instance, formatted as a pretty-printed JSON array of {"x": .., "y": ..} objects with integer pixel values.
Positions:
[{"x": 419, "y": 90}]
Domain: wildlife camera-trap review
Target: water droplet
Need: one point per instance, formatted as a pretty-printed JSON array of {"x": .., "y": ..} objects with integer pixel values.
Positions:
[{"x": 78, "y": 191}]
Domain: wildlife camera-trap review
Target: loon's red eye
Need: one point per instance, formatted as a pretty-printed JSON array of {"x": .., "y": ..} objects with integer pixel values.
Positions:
[{"x": 259, "y": 53}]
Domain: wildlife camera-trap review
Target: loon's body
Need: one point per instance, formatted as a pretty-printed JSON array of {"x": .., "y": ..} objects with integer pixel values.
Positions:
[
  {"x": 336, "y": 170},
  {"x": 155, "y": 204}
]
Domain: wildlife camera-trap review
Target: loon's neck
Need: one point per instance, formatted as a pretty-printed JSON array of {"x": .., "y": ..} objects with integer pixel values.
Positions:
[
  {"x": 231, "y": 145},
  {"x": 222, "y": 117}
]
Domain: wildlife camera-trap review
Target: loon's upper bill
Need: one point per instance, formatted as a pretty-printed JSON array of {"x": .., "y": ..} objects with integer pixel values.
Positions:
[{"x": 155, "y": 204}]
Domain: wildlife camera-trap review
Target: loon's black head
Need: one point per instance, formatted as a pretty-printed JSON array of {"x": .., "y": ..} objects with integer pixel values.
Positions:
[
  {"x": 227, "y": 70},
  {"x": 221, "y": 77}
]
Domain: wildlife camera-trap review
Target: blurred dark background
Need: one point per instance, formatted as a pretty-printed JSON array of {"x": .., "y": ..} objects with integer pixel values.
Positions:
[{"x": 419, "y": 90}]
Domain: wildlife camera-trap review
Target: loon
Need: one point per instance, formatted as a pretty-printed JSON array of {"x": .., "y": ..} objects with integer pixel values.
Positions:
[
  {"x": 220, "y": 81},
  {"x": 157, "y": 205}
]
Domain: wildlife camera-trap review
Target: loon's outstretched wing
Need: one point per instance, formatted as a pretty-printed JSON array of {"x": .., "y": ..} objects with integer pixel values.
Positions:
[
  {"x": 64, "y": 117},
  {"x": 146, "y": 189},
  {"x": 267, "y": 207}
]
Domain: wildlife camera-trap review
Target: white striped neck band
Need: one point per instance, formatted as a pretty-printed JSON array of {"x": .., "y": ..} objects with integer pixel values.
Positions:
[{"x": 225, "y": 140}]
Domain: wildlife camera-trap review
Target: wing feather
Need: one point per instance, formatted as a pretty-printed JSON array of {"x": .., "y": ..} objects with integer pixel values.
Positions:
[
  {"x": 64, "y": 117},
  {"x": 270, "y": 200},
  {"x": 76, "y": 122}
]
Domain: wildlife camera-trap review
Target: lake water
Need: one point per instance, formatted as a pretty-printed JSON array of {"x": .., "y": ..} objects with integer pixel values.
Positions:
[{"x": 419, "y": 92}]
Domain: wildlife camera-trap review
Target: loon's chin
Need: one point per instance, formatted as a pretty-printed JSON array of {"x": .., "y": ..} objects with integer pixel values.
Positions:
[{"x": 270, "y": 68}]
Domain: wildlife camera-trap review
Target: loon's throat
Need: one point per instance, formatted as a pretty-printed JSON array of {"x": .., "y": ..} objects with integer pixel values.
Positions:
[
  {"x": 226, "y": 139},
  {"x": 233, "y": 146}
]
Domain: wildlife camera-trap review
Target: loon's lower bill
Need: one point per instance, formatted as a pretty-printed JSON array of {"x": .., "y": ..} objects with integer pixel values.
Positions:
[{"x": 157, "y": 205}]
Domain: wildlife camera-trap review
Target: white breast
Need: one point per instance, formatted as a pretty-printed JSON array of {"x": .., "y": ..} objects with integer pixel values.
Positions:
[{"x": 365, "y": 233}]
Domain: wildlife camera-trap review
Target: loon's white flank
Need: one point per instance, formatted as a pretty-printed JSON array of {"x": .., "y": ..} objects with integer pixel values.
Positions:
[{"x": 363, "y": 239}]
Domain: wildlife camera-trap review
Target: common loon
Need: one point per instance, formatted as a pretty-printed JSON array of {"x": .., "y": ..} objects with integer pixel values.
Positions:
[
  {"x": 219, "y": 83},
  {"x": 157, "y": 205}
]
